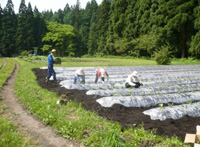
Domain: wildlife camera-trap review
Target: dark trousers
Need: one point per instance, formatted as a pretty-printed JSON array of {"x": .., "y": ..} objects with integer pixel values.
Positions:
[
  {"x": 51, "y": 72},
  {"x": 96, "y": 79},
  {"x": 136, "y": 86}
]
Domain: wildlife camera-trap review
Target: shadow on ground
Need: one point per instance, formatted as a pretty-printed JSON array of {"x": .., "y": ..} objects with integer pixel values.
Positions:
[{"x": 125, "y": 116}]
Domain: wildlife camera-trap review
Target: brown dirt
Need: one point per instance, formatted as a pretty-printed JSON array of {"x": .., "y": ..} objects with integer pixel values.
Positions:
[
  {"x": 27, "y": 124},
  {"x": 124, "y": 115}
]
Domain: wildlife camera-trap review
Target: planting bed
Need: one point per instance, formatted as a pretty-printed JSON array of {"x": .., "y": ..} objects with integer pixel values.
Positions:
[{"x": 168, "y": 101}]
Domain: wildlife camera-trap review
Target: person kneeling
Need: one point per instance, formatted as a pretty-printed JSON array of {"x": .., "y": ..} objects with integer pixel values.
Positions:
[
  {"x": 79, "y": 74},
  {"x": 133, "y": 81}
]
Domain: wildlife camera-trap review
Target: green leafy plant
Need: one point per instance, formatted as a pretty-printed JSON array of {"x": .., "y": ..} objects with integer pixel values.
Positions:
[{"x": 162, "y": 56}]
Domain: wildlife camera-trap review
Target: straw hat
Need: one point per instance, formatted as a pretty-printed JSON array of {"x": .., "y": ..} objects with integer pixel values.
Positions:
[
  {"x": 53, "y": 50},
  {"x": 80, "y": 72},
  {"x": 103, "y": 72},
  {"x": 134, "y": 73}
]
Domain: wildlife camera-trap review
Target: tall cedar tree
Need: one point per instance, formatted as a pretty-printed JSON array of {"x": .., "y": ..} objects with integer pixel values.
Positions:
[
  {"x": 30, "y": 28},
  {"x": 67, "y": 18},
  {"x": 39, "y": 30},
  {"x": 195, "y": 44},
  {"x": 104, "y": 15},
  {"x": 76, "y": 23},
  {"x": 90, "y": 10},
  {"x": 9, "y": 24},
  {"x": 22, "y": 28},
  {"x": 92, "y": 40}
]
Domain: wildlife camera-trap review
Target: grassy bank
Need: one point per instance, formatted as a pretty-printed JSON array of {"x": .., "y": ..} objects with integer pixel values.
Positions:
[
  {"x": 74, "y": 122},
  {"x": 9, "y": 135}
]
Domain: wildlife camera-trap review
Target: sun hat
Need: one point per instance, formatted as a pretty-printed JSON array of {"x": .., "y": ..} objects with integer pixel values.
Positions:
[
  {"x": 134, "y": 73},
  {"x": 53, "y": 50},
  {"x": 103, "y": 72},
  {"x": 80, "y": 72}
]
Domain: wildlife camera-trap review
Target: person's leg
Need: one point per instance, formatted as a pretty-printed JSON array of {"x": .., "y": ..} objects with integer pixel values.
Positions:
[
  {"x": 49, "y": 71},
  {"x": 96, "y": 79},
  {"x": 75, "y": 79},
  {"x": 127, "y": 85},
  {"x": 137, "y": 84},
  {"x": 54, "y": 74},
  {"x": 83, "y": 79}
]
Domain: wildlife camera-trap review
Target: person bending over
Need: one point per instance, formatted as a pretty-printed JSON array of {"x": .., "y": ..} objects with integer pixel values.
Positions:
[
  {"x": 101, "y": 73},
  {"x": 79, "y": 74},
  {"x": 133, "y": 81}
]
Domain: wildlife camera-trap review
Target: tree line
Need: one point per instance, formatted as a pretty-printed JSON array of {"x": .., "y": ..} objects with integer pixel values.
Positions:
[{"x": 138, "y": 28}]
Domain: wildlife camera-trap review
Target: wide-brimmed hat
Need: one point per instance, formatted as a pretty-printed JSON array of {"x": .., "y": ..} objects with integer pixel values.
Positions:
[
  {"x": 80, "y": 72},
  {"x": 134, "y": 73},
  {"x": 103, "y": 72},
  {"x": 53, "y": 50}
]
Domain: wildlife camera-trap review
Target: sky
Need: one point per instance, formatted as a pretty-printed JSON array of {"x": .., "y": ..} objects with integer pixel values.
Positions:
[{"x": 47, "y": 4}]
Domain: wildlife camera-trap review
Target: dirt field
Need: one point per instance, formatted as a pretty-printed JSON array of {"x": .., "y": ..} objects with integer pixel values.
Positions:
[{"x": 125, "y": 116}]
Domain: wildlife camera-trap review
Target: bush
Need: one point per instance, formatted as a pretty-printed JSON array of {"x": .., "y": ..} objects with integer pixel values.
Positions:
[{"x": 162, "y": 57}]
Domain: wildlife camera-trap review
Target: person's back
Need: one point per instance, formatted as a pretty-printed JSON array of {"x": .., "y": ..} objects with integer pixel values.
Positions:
[{"x": 133, "y": 81}]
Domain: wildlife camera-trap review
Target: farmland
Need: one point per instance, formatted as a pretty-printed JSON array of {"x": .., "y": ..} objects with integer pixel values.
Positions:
[{"x": 87, "y": 121}]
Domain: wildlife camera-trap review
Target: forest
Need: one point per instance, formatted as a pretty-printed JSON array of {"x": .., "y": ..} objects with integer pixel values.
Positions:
[{"x": 137, "y": 28}]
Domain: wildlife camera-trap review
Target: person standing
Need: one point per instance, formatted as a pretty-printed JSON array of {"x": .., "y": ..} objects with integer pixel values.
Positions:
[
  {"x": 51, "y": 60},
  {"x": 101, "y": 73},
  {"x": 79, "y": 74},
  {"x": 133, "y": 80}
]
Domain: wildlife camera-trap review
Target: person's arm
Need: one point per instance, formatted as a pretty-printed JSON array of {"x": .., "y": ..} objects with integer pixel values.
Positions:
[
  {"x": 107, "y": 76},
  {"x": 129, "y": 81}
]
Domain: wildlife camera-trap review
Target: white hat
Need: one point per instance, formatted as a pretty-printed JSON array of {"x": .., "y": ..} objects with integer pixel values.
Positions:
[
  {"x": 134, "y": 73},
  {"x": 53, "y": 50},
  {"x": 80, "y": 72},
  {"x": 103, "y": 72}
]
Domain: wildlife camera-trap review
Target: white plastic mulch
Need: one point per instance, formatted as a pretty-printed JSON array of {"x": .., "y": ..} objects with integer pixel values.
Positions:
[{"x": 162, "y": 85}]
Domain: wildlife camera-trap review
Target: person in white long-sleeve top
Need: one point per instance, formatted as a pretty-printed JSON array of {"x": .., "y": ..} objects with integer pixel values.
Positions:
[{"x": 133, "y": 80}]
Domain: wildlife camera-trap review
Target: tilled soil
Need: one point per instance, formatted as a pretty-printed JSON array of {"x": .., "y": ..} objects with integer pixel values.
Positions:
[{"x": 124, "y": 115}]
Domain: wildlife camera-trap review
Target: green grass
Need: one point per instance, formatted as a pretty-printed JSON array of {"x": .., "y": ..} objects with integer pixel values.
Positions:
[
  {"x": 1, "y": 62},
  {"x": 73, "y": 121},
  {"x": 9, "y": 135},
  {"x": 109, "y": 61}
]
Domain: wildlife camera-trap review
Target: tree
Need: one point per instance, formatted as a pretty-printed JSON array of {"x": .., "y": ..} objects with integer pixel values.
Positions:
[
  {"x": 21, "y": 29},
  {"x": 59, "y": 36},
  {"x": 8, "y": 31},
  {"x": 39, "y": 30},
  {"x": 30, "y": 28},
  {"x": 103, "y": 18}
]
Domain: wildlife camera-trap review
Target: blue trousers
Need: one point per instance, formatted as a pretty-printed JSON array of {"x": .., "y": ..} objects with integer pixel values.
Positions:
[
  {"x": 77, "y": 78},
  {"x": 51, "y": 72}
]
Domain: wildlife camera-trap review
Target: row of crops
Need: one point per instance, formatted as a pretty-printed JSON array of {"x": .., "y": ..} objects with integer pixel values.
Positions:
[{"x": 176, "y": 86}]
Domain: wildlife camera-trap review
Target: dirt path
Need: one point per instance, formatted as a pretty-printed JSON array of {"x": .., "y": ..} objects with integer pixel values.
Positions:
[
  {"x": 27, "y": 123},
  {"x": 4, "y": 63}
]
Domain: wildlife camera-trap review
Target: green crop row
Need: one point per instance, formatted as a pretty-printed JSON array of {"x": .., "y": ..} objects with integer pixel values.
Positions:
[
  {"x": 9, "y": 135},
  {"x": 72, "y": 121}
]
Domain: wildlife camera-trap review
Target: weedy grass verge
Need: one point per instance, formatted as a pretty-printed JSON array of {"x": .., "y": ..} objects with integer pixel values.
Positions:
[{"x": 9, "y": 134}]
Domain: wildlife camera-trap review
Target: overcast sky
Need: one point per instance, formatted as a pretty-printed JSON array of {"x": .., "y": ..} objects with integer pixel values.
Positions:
[{"x": 47, "y": 4}]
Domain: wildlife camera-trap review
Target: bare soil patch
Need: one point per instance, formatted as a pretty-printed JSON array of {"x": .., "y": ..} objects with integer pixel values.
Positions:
[
  {"x": 29, "y": 125},
  {"x": 124, "y": 115}
]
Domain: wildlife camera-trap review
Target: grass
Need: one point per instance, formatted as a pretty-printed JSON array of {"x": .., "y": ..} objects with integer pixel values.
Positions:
[
  {"x": 9, "y": 134},
  {"x": 1, "y": 63},
  {"x": 72, "y": 121}
]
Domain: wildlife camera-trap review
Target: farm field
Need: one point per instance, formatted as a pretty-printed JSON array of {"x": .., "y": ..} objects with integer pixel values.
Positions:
[{"x": 168, "y": 101}]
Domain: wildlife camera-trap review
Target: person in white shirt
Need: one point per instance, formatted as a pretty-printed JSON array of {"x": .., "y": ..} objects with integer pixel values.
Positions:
[{"x": 133, "y": 80}]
